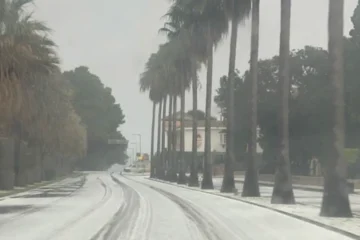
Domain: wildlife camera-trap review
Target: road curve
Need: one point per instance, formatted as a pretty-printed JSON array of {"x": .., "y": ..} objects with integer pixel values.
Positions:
[
  {"x": 230, "y": 219},
  {"x": 112, "y": 207}
]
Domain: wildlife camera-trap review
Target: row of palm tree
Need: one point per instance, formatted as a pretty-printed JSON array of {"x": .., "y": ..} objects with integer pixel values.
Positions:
[
  {"x": 194, "y": 28},
  {"x": 35, "y": 102}
]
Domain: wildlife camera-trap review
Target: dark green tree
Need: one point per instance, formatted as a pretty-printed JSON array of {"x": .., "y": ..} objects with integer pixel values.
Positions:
[{"x": 101, "y": 115}]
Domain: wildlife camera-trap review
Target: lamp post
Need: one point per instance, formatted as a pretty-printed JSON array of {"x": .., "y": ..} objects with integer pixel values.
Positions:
[
  {"x": 132, "y": 157},
  {"x": 135, "y": 148},
  {"x": 139, "y": 135}
]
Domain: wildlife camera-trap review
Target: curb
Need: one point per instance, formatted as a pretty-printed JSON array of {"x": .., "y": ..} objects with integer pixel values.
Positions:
[
  {"x": 319, "y": 224},
  {"x": 15, "y": 193},
  {"x": 296, "y": 187}
]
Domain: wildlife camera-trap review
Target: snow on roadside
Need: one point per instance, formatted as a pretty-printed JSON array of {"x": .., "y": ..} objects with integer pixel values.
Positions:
[{"x": 311, "y": 213}]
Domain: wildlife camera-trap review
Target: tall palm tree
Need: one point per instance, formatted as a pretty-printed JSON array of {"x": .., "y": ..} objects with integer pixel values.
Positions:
[
  {"x": 159, "y": 164},
  {"x": 163, "y": 130},
  {"x": 169, "y": 140},
  {"x": 154, "y": 79},
  {"x": 207, "y": 19},
  {"x": 251, "y": 184},
  {"x": 283, "y": 191},
  {"x": 207, "y": 182},
  {"x": 192, "y": 55},
  {"x": 155, "y": 97},
  {"x": 174, "y": 160},
  {"x": 335, "y": 201},
  {"x": 152, "y": 162},
  {"x": 182, "y": 177},
  {"x": 238, "y": 10},
  {"x": 28, "y": 60},
  {"x": 194, "y": 179}
]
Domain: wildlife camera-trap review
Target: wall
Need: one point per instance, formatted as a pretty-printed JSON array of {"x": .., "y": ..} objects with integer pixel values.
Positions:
[{"x": 216, "y": 140}]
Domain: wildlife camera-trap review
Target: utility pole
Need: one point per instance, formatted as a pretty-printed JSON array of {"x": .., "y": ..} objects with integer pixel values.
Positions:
[{"x": 139, "y": 135}]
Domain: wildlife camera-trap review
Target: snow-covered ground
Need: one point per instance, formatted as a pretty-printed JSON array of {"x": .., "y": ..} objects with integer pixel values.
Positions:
[
  {"x": 303, "y": 197},
  {"x": 135, "y": 208}
]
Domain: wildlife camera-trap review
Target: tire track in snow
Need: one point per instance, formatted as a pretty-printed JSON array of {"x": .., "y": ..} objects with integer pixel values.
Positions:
[
  {"x": 131, "y": 221},
  {"x": 206, "y": 227},
  {"x": 106, "y": 197}
]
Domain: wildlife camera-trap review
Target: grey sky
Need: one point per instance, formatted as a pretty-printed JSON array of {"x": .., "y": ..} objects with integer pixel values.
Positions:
[{"x": 114, "y": 40}]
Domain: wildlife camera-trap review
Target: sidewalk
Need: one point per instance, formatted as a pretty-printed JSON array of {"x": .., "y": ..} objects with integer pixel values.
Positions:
[
  {"x": 295, "y": 186},
  {"x": 306, "y": 209},
  {"x": 32, "y": 187}
]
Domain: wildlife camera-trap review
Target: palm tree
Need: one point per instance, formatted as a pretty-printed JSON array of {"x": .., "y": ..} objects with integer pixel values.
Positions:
[
  {"x": 194, "y": 180},
  {"x": 251, "y": 184},
  {"x": 28, "y": 60},
  {"x": 154, "y": 79},
  {"x": 238, "y": 10},
  {"x": 182, "y": 177},
  {"x": 159, "y": 163},
  {"x": 174, "y": 165},
  {"x": 192, "y": 55},
  {"x": 169, "y": 121},
  {"x": 152, "y": 167},
  {"x": 335, "y": 201},
  {"x": 152, "y": 162},
  {"x": 207, "y": 20},
  {"x": 163, "y": 130},
  {"x": 283, "y": 191}
]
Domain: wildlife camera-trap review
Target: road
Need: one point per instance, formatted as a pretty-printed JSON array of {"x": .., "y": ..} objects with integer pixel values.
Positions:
[{"x": 101, "y": 206}]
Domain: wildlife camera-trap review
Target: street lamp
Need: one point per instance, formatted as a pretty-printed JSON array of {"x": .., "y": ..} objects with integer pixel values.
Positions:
[
  {"x": 135, "y": 146},
  {"x": 132, "y": 157},
  {"x": 139, "y": 139}
]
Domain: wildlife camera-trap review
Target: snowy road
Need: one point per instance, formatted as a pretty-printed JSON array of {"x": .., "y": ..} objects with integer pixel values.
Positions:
[{"x": 134, "y": 208}]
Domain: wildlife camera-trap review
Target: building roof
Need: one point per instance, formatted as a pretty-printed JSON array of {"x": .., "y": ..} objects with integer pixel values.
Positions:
[
  {"x": 178, "y": 116},
  {"x": 201, "y": 123}
]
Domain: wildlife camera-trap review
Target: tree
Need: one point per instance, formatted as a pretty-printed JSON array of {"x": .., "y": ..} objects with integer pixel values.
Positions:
[
  {"x": 335, "y": 198},
  {"x": 241, "y": 110},
  {"x": 251, "y": 185},
  {"x": 153, "y": 167},
  {"x": 101, "y": 115},
  {"x": 238, "y": 10},
  {"x": 159, "y": 164},
  {"x": 206, "y": 20},
  {"x": 164, "y": 153},
  {"x": 29, "y": 63},
  {"x": 283, "y": 192}
]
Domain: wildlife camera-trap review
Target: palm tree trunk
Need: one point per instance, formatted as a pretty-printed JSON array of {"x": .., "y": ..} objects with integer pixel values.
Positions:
[
  {"x": 173, "y": 177},
  {"x": 194, "y": 180},
  {"x": 169, "y": 140},
  {"x": 152, "y": 163},
  {"x": 283, "y": 191},
  {"x": 159, "y": 166},
  {"x": 228, "y": 184},
  {"x": 251, "y": 184},
  {"x": 163, "y": 152},
  {"x": 207, "y": 182},
  {"x": 182, "y": 178},
  {"x": 335, "y": 201}
]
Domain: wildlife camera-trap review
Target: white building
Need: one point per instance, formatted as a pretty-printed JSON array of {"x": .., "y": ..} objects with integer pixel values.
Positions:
[
  {"x": 218, "y": 135},
  {"x": 218, "y": 140}
]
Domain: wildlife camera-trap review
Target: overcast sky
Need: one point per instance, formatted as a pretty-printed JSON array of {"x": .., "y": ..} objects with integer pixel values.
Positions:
[{"x": 114, "y": 38}]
